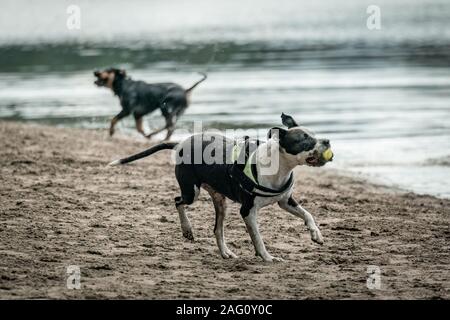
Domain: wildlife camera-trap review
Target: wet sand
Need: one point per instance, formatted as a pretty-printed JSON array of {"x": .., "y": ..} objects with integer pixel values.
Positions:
[{"x": 60, "y": 206}]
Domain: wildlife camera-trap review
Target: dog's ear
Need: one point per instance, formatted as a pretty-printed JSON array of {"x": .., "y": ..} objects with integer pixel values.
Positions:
[
  {"x": 276, "y": 132},
  {"x": 288, "y": 121}
]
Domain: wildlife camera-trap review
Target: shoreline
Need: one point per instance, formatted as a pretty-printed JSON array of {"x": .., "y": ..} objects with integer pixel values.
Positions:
[
  {"x": 61, "y": 206},
  {"x": 358, "y": 173}
]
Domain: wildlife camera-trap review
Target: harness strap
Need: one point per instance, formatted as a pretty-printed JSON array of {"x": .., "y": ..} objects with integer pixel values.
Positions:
[
  {"x": 246, "y": 175},
  {"x": 248, "y": 168}
]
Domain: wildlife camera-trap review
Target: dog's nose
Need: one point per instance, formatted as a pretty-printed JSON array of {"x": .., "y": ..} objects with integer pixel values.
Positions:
[
  {"x": 326, "y": 142},
  {"x": 96, "y": 73}
]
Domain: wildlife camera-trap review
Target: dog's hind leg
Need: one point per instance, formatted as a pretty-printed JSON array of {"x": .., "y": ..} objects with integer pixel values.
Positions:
[
  {"x": 219, "y": 202},
  {"x": 172, "y": 120},
  {"x": 186, "y": 227},
  {"x": 170, "y": 126},
  {"x": 155, "y": 132},
  {"x": 173, "y": 108},
  {"x": 190, "y": 190}
]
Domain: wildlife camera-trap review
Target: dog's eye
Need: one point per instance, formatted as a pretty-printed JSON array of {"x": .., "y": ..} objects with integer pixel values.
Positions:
[{"x": 305, "y": 135}]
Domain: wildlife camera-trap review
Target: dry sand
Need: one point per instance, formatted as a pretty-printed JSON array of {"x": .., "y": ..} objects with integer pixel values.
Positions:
[{"x": 60, "y": 206}]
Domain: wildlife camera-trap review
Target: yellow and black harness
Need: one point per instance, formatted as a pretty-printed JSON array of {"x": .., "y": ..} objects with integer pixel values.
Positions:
[{"x": 244, "y": 172}]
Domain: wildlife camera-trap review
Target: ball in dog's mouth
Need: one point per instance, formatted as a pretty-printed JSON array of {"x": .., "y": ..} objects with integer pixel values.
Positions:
[
  {"x": 327, "y": 155},
  {"x": 317, "y": 160}
]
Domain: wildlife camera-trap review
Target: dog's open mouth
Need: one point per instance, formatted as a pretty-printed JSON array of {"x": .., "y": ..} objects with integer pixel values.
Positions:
[
  {"x": 316, "y": 160},
  {"x": 313, "y": 161},
  {"x": 100, "y": 82}
]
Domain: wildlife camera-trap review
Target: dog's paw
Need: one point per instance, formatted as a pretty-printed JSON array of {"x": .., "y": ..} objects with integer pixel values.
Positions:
[
  {"x": 228, "y": 254},
  {"x": 316, "y": 236},
  {"x": 277, "y": 259},
  {"x": 273, "y": 259},
  {"x": 188, "y": 235}
]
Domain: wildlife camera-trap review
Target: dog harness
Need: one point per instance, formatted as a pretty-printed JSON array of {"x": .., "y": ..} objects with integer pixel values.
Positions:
[{"x": 246, "y": 174}]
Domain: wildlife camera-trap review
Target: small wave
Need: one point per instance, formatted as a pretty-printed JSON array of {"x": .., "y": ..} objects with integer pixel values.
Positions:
[{"x": 442, "y": 161}]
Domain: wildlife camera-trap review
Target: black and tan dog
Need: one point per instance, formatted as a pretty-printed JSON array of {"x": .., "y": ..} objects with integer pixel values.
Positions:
[{"x": 140, "y": 98}]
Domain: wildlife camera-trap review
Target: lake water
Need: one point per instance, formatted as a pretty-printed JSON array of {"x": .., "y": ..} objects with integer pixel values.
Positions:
[{"x": 381, "y": 96}]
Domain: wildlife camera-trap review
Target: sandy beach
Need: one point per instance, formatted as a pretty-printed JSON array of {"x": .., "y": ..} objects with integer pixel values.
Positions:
[{"x": 61, "y": 206}]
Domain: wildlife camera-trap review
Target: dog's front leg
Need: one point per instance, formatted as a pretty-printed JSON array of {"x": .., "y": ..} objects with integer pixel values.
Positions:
[
  {"x": 139, "y": 125},
  {"x": 112, "y": 126},
  {"x": 291, "y": 206},
  {"x": 252, "y": 228},
  {"x": 120, "y": 115}
]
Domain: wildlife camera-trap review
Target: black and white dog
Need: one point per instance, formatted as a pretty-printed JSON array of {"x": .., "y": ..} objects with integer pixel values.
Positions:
[
  {"x": 140, "y": 98},
  {"x": 209, "y": 161}
]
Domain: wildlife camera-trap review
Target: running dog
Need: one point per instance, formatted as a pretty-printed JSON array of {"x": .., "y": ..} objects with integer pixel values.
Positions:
[
  {"x": 235, "y": 172},
  {"x": 140, "y": 98}
]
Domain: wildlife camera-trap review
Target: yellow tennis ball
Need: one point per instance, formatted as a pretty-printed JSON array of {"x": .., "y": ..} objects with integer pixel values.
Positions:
[{"x": 327, "y": 154}]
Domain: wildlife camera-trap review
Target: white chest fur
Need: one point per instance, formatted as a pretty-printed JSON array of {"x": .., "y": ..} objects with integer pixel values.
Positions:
[{"x": 261, "y": 202}]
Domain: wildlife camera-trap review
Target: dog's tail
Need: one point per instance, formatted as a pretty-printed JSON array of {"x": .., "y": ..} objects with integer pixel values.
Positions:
[
  {"x": 198, "y": 82},
  {"x": 145, "y": 153}
]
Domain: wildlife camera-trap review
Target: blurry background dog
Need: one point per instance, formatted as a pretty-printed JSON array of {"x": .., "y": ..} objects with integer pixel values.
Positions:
[{"x": 140, "y": 98}]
